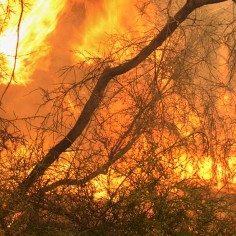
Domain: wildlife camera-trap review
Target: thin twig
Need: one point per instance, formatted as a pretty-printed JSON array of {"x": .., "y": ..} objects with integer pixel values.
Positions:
[{"x": 16, "y": 52}]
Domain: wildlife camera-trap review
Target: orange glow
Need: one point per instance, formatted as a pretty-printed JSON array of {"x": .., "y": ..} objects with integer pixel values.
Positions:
[
  {"x": 103, "y": 18},
  {"x": 39, "y": 20},
  {"x": 93, "y": 40},
  {"x": 106, "y": 183}
]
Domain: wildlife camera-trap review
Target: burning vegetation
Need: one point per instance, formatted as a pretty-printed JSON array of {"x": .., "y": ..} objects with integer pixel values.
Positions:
[{"x": 117, "y": 117}]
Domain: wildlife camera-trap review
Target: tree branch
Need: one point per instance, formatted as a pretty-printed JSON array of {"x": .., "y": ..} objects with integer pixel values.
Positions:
[
  {"x": 99, "y": 89},
  {"x": 12, "y": 78}
]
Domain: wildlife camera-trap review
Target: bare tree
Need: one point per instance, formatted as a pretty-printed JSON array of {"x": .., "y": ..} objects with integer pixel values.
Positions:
[{"x": 144, "y": 122}]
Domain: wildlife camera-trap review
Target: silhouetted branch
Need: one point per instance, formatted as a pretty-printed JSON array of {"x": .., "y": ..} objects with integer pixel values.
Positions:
[{"x": 98, "y": 91}]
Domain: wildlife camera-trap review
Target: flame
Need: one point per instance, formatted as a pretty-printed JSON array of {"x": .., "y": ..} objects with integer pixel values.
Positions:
[
  {"x": 103, "y": 18},
  {"x": 39, "y": 20},
  {"x": 106, "y": 183}
]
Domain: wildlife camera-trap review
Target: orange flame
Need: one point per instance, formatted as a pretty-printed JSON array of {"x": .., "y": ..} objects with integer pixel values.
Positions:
[
  {"x": 39, "y": 20},
  {"x": 103, "y": 18}
]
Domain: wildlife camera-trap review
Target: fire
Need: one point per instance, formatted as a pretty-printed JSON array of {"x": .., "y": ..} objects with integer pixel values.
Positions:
[
  {"x": 39, "y": 19},
  {"x": 105, "y": 184},
  {"x": 103, "y": 18},
  {"x": 24, "y": 42},
  {"x": 24, "y": 37}
]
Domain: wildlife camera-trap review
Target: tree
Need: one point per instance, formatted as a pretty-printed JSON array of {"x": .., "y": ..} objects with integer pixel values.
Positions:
[{"x": 140, "y": 121}]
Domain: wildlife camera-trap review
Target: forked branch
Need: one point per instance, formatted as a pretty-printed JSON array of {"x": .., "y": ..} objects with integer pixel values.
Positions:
[{"x": 99, "y": 89}]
